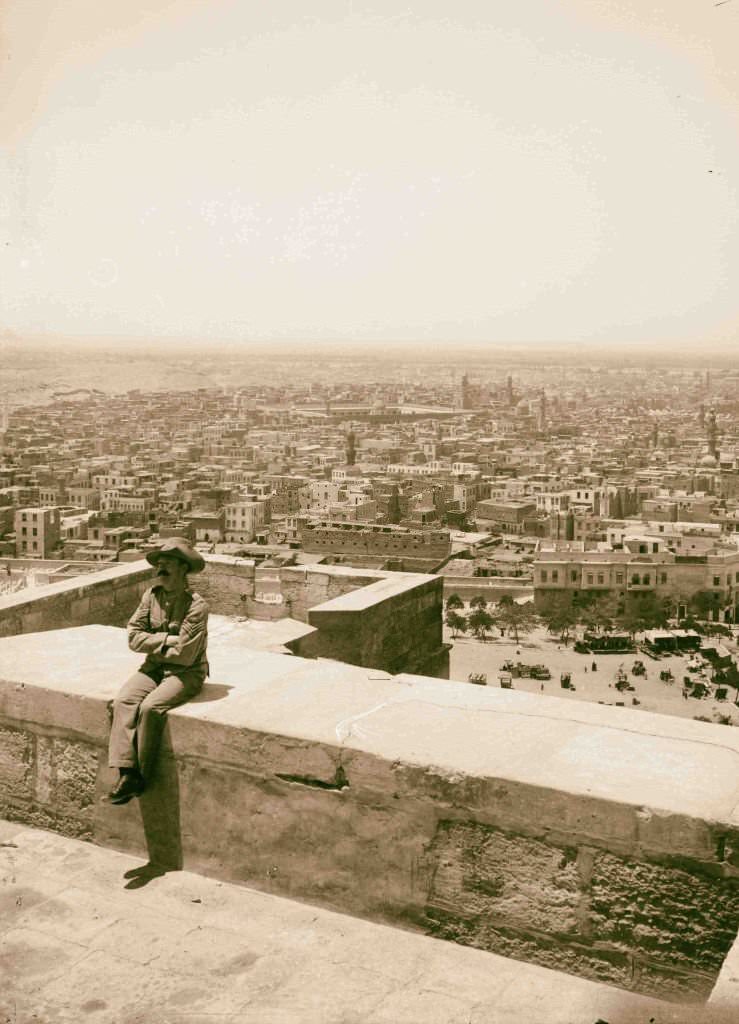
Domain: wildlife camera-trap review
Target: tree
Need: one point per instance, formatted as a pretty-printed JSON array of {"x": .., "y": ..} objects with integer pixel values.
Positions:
[
  {"x": 597, "y": 613},
  {"x": 518, "y": 619},
  {"x": 559, "y": 616},
  {"x": 457, "y": 623},
  {"x": 478, "y": 601},
  {"x": 705, "y": 604},
  {"x": 674, "y": 602},
  {"x": 480, "y": 622},
  {"x": 644, "y": 612},
  {"x": 453, "y": 602}
]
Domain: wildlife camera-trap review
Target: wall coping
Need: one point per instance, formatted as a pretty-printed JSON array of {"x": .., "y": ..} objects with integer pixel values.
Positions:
[
  {"x": 117, "y": 571},
  {"x": 656, "y": 765},
  {"x": 374, "y": 593}
]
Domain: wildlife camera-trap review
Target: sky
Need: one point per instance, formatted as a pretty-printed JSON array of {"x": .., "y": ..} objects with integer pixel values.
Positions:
[{"x": 523, "y": 172}]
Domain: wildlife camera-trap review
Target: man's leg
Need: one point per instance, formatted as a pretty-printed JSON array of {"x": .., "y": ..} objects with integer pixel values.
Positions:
[
  {"x": 172, "y": 691},
  {"x": 122, "y": 751}
]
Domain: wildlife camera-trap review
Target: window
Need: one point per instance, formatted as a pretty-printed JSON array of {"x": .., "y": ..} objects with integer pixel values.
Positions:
[
  {"x": 619, "y": 577},
  {"x": 717, "y": 581},
  {"x": 555, "y": 575},
  {"x": 601, "y": 578},
  {"x": 646, "y": 579},
  {"x": 590, "y": 579},
  {"x": 35, "y": 532},
  {"x": 642, "y": 549},
  {"x": 573, "y": 575},
  {"x": 655, "y": 548},
  {"x": 663, "y": 577},
  {"x": 35, "y": 545},
  {"x": 24, "y": 531},
  {"x": 635, "y": 578}
]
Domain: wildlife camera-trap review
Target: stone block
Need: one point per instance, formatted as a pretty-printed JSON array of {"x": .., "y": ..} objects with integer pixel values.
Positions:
[
  {"x": 101, "y": 598},
  {"x": 16, "y": 764},
  {"x": 482, "y": 873},
  {"x": 79, "y": 610},
  {"x": 612, "y": 967},
  {"x": 75, "y": 769},
  {"x": 674, "y": 918}
]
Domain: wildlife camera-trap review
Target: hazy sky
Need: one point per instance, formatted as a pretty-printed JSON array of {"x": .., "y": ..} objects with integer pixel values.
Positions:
[{"x": 561, "y": 170}]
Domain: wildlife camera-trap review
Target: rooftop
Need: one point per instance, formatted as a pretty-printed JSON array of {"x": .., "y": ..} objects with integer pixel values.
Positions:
[{"x": 91, "y": 934}]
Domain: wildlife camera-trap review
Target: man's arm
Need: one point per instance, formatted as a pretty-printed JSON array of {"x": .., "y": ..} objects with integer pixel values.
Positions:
[
  {"x": 187, "y": 645},
  {"x": 140, "y": 637}
]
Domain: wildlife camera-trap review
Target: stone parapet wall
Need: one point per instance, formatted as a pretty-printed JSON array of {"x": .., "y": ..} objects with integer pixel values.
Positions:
[
  {"x": 390, "y": 621},
  {"x": 395, "y": 627},
  {"x": 108, "y": 597},
  {"x": 394, "y": 624},
  {"x": 492, "y": 588},
  {"x": 304, "y": 587},
  {"x": 226, "y": 583},
  {"x": 599, "y": 841}
]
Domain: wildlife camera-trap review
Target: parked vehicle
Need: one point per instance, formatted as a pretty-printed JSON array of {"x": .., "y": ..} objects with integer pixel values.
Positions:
[
  {"x": 581, "y": 647},
  {"x": 638, "y": 668},
  {"x": 609, "y": 643},
  {"x": 540, "y": 672}
]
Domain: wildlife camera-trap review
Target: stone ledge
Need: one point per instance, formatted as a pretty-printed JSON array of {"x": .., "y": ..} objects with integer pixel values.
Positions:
[{"x": 397, "y": 798}]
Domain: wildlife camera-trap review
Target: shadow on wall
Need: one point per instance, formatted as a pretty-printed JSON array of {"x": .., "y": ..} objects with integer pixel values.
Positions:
[{"x": 160, "y": 806}]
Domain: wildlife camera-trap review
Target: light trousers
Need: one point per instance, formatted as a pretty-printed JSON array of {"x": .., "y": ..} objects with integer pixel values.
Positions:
[{"x": 139, "y": 713}]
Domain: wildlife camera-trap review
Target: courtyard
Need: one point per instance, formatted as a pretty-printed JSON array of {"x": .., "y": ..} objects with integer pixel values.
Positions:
[{"x": 470, "y": 655}]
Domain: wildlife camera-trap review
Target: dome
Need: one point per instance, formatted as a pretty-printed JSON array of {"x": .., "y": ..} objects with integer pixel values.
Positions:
[{"x": 708, "y": 460}]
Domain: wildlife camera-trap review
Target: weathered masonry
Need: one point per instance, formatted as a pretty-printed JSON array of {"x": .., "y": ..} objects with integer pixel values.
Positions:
[
  {"x": 386, "y": 620},
  {"x": 599, "y": 841}
]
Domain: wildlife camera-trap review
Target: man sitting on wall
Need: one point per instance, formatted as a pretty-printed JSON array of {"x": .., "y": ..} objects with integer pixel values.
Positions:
[{"x": 170, "y": 626}]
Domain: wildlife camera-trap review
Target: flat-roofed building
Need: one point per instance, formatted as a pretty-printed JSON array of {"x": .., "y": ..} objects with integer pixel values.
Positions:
[{"x": 37, "y": 531}]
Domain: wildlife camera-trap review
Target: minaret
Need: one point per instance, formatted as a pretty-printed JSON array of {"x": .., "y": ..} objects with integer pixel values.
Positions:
[
  {"x": 712, "y": 433},
  {"x": 655, "y": 436},
  {"x": 351, "y": 451},
  {"x": 509, "y": 389},
  {"x": 541, "y": 423},
  {"x": 702, "y": 414},
  {"x": 393, "y": 507}
]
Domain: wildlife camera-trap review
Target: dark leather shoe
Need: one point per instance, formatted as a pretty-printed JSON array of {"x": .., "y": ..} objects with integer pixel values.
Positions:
[{"x": 128, "y": 786}]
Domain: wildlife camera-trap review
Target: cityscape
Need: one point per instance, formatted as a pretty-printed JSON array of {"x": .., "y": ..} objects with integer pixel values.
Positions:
[
  {"x": 554, "y": 501},
  {"x": 369, "y": 512},
  {"x": 548, "y": 530}
]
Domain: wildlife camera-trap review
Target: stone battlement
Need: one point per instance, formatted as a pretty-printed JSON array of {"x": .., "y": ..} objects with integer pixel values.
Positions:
[
  {"x": 395, "y": 626},
  {"x": 600, "y": 841}
]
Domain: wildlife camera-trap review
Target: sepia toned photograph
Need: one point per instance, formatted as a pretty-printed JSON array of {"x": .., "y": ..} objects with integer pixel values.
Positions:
[{"x": 369, "y": 512}]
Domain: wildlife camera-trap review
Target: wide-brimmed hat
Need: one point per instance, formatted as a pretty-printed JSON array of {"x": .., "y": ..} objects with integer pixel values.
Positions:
[{"x": 178, "y": 547}]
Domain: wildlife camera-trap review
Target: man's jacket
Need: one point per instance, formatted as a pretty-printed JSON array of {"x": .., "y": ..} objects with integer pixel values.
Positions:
[{"x": 176, "y": 641}]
